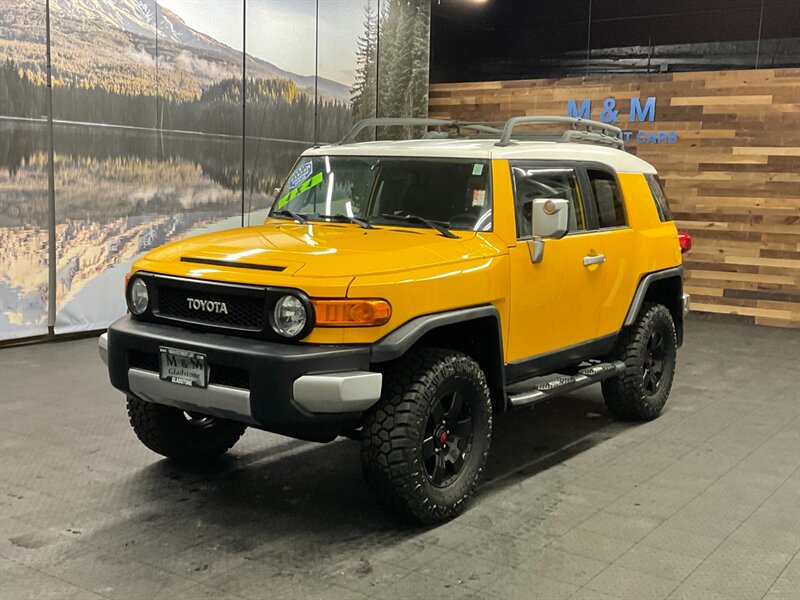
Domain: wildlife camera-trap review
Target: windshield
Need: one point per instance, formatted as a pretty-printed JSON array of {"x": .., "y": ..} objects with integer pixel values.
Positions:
[{"x": 451, "y": 192}]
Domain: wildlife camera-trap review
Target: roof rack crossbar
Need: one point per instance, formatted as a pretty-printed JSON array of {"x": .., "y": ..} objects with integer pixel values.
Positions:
[
  {"x": 595, "y": 131},
  {"x": 480, "y": 127},
  {"x": 363, "y": 124}
]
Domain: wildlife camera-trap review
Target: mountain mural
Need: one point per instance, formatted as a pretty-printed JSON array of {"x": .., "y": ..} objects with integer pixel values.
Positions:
[
  {"x": 111, "y": 45},
  {"x": 156, "y": 137}
]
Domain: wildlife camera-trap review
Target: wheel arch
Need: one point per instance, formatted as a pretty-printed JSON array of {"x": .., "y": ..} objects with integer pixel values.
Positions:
[
  {"x": 475, "y": 331},
  {"x": 662, "y": 287}
]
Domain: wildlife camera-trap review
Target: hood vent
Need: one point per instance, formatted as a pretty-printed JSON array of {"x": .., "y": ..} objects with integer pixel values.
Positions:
[{"x": 230, "y": 263}]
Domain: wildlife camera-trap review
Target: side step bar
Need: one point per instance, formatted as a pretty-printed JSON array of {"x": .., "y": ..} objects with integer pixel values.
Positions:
[{"x": 567, "y": 383}]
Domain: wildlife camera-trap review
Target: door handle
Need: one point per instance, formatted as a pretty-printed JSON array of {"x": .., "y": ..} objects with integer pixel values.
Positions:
[{"x": 593, "y": 260}]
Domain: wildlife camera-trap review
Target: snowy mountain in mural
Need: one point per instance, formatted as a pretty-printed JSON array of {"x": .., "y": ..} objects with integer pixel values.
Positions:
[{"x": 112, "y": 43}]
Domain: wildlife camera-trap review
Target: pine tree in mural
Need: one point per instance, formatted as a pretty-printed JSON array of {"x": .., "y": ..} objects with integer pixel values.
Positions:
[
  {"x": 401, "y": 47},
  {"x": 363, "y": 102}
]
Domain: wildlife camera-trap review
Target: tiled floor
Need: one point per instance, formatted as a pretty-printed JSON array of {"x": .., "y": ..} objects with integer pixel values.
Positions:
[{"x": 703, "y": 503}]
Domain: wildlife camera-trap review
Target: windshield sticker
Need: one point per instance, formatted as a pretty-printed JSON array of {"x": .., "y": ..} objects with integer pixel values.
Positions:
[
  {"x": 301, "y": 173},
  {"x": 477, "y": 169},
  {"x": 478, "y": 197},
  {"x": 304, "y": 187}
]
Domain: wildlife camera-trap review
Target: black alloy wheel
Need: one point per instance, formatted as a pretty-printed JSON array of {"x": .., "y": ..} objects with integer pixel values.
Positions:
[
  {"x": 448, "y": 438},
  {"x": 649, "y": 350},
  {"x": 425, "y": 442},
  {"x": 654, "y": 362}
]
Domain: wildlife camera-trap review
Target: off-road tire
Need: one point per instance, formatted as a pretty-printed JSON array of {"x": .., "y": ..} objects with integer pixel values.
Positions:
[
  {"x": 392, "y": 454},
  {"x": 168, "y": 431},
  {"x": 626, "y": 395}
]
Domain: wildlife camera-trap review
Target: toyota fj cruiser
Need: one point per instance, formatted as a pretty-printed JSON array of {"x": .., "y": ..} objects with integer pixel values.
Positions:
[{"x": 401, "y": 293}]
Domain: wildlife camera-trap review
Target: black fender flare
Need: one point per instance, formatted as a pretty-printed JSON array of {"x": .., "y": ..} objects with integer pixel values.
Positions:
[
  {"x": 641, "y": 293},
  {"x": 487, "y": 331},
  {"x": 400, "y": 341}
]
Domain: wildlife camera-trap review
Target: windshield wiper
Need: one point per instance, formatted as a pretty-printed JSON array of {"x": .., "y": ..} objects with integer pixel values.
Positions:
[
  {"x": 347, "y": 219},
  {"x": 437, "y": 225},
  {"x": 291, "y": 214}
]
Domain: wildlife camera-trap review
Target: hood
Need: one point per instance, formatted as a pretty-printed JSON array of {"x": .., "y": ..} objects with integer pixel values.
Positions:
[{"x": 325, "y": 249}]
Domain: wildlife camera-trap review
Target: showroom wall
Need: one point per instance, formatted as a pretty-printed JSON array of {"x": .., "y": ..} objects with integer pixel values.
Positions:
[
  {"x": 727, "y": 146},
  {"x": 689, "y": 86},
  {"x": 152, "y": 137}
]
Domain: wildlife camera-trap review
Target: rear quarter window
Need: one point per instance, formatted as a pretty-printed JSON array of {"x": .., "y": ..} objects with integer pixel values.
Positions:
[
  {"x": 607, "y": 198},
  {"x": 660, "y": 198}
]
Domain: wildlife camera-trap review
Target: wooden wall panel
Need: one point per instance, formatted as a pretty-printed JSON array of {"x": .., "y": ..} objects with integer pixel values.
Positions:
[{"x": 733, "y": 177}]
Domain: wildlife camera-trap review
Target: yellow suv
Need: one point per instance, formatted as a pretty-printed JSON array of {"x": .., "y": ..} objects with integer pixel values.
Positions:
[{"x": 403, "y": 292}]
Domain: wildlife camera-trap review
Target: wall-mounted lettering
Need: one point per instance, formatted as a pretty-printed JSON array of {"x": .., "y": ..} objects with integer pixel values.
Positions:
[{"x": 638, "y": 111}]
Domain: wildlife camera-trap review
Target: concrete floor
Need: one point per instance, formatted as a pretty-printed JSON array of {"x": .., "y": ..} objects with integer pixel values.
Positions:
[{"x": 702, "y": 503}]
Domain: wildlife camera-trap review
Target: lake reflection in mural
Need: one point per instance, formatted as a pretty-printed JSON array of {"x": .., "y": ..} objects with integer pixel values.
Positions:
[{"x": 119, "y": 194}]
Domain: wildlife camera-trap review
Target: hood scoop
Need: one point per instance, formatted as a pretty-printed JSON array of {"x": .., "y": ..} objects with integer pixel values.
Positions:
[{"x": 231, "y": 263}]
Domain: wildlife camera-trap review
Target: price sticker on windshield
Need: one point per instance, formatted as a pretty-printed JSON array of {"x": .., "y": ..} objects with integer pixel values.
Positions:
[{"x": 301, "y": 173}]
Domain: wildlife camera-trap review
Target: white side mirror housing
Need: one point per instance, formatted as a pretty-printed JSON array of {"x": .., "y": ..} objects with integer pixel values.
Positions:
[{"x": 549, "y": 218}]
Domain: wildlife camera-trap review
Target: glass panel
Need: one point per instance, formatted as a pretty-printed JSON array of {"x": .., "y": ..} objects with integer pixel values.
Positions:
[
  {"x": 403, "y": 63},
  {"x": 454, "y": 192},
  {"x": 660, "y": 198},
  {"x": 280, "y": 95},
  {"x": 348, "y": 31},
  {"x": 199, "y": 146},
  {"x": 491, "y": 41},
  {"x": 23, "y": 170},
  {"x": 608, "y": 200},
  {"x": 780, "y": 34},
  {"x": 536, "y": 183},
  {"x": 104, "y": 100},
  {"x": 630, "y": 36}
]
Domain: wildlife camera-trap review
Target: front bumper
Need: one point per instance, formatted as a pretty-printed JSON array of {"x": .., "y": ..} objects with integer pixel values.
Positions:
[
  {"x": 306, "y": 391},
  {"x": 686, "y": 301}
]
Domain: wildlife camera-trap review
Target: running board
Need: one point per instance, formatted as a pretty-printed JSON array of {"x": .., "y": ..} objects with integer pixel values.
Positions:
[{"x": 567, "y": 383}]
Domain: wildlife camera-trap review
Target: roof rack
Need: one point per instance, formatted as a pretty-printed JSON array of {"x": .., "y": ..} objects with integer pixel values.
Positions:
[
  {"x": 595, "y": 132},
  {"x": 580, "y": 130},
  {"x": 363, "y": 124}
]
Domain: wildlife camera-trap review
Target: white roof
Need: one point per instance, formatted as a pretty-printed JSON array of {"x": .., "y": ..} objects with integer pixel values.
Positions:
[{"x": 619, "y": 160}]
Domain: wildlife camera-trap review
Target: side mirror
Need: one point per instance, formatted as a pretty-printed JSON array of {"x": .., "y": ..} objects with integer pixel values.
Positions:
[{"x": 549, "y": 220}]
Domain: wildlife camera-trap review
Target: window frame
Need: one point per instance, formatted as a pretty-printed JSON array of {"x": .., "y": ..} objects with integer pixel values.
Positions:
[{"x": 575, "y": 167}]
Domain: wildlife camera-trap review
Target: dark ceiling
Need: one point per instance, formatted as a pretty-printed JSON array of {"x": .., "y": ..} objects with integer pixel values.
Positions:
[{"x": 507, "y": 39}]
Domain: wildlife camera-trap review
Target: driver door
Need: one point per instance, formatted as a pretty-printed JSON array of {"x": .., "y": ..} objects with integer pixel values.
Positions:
[{"x": 555, "y": 304}]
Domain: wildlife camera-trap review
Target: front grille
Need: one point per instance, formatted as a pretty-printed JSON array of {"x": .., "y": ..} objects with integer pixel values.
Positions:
[
  {"x": 198, "y": 305},
  {"x": 243, "y": 312},
  {"x": 218, "y": 374}
]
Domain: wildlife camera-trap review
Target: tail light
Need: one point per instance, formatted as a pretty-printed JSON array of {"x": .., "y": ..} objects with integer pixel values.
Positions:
[{"x": 685, "y": 241}]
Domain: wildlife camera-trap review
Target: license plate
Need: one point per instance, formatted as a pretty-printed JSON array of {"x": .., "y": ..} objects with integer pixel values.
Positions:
[{"x": 183, "y": 367}]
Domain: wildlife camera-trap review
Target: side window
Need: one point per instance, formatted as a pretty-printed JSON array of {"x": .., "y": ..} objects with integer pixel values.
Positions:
[
  {"x": 657, "y": 190},
  {"x": 607, "y": 198},
  {"x": 533, "y": 183}
]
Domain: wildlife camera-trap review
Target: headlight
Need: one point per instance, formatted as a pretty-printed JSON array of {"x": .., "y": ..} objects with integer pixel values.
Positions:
[
  {"x": 139, "y": 296},
  {"x": 289, "y": 316}
]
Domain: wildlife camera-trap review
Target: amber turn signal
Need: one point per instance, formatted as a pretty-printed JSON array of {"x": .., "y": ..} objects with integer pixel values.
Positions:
[{"x": 351, "y": 313}]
